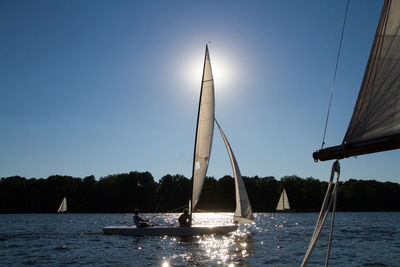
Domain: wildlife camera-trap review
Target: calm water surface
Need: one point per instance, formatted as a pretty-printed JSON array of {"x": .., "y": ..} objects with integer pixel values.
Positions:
[{"x": 360, "y": 239}]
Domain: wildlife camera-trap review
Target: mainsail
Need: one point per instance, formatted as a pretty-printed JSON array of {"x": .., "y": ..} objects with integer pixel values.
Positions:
[
  {"x": 63, "y": 205},
  {"x": 204, "y": 131},
  {"x": 283, "y": 203},
  {"x": 375, "y": 123},
  {"x": 243, "y": 213}
]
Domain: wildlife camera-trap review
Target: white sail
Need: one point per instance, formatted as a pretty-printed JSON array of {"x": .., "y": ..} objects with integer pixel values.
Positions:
[
  {"x": 204, "y": 132},
  {"x": 283, "y": 203},
  {"x": 243, "y": 213},
  {"x": 63, "y": 205}
]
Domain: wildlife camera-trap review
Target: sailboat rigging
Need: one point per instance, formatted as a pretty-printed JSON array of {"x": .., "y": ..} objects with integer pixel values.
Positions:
[
  {"x": 204, "y": 135},
  {"x": 375, "y": 123},
  {"x": 202, "y": 150}
]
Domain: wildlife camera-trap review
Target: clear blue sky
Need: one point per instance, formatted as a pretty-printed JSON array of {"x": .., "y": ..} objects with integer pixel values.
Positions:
[{"x": 105, "y": 87}]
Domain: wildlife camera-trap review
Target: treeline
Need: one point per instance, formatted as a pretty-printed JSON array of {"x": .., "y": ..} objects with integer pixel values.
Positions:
[{"x": 123, "y": 192}]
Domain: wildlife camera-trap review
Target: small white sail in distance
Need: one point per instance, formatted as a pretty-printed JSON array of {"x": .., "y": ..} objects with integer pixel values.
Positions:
[
  {"x": 63, "y": 205},
  {"x": 243, "y": 213},
  {"x": 283, "y": 203}
]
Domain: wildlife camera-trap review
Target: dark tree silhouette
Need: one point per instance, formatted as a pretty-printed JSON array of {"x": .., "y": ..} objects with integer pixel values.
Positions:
[{"x": 126, "y": 191}]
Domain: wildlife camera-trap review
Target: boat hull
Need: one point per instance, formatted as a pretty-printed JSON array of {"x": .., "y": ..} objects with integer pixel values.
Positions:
[{"x": 169, "y": 230}]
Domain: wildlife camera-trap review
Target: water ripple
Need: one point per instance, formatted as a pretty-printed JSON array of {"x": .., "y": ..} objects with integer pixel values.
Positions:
[{"x": 367, "y": 239}]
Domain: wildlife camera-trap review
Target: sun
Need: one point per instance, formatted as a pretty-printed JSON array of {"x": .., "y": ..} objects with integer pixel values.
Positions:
[{"x": 223, "y": 69}]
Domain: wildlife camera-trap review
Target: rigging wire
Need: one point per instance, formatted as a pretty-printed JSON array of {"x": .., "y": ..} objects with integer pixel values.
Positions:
[
  {"x": 334, "y": 76},
  {"x": 177, "y": 209}
]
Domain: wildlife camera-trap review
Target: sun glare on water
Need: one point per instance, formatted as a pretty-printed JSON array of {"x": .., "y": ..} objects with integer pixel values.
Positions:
[{"x": 211, "y": 218}]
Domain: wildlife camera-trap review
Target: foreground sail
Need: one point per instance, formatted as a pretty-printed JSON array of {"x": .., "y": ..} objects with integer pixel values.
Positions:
[
  {"x": 375, "y": 124},
  {"x": 63, "y": 206},
  {"x": 204, "y": 131},
  {"x": 283, "y": 203},
  {"x": 243, "y": 213}
]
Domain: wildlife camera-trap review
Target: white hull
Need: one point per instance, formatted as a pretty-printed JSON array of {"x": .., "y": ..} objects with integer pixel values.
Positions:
[{"x": 170, "y": 230}]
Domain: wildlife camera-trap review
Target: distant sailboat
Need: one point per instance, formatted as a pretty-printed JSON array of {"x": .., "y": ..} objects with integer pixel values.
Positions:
[
  {"x": 63, "y": 206},
  {"x": 283, "y": 203},
  {"x": 375, "y": 123},
  {"x": 202, "y": 150}
]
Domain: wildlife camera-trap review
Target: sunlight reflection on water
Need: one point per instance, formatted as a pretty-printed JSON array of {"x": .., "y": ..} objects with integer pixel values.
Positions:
[
  {"x": 275, "y": 239},
  {"x": 208, "y": 249}
]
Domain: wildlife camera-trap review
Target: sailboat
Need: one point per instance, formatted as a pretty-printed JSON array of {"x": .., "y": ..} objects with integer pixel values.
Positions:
[
  {"x": 202, "y": 150},
  {"x": 375, "y": 123},
  {"x": 283, "y": 203},
  {"x": 63, "y": 206}
]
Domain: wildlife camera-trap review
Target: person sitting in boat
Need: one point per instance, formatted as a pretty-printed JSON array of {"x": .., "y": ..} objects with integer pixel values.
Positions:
[
  {"x": 138, "y": 221},
  {"x": 184, "y": 219}
]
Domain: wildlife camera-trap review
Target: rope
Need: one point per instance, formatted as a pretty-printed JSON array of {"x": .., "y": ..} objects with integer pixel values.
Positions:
[
  {"x": 333, "y": 220},
  {"x": 334, "y": 76},
  {"x": 176, "y": 209},
  {"x": 330, "y": 198}
]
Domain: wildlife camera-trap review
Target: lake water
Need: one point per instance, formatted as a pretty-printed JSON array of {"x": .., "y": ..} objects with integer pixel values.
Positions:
[{"x": 278, "y": 239}]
